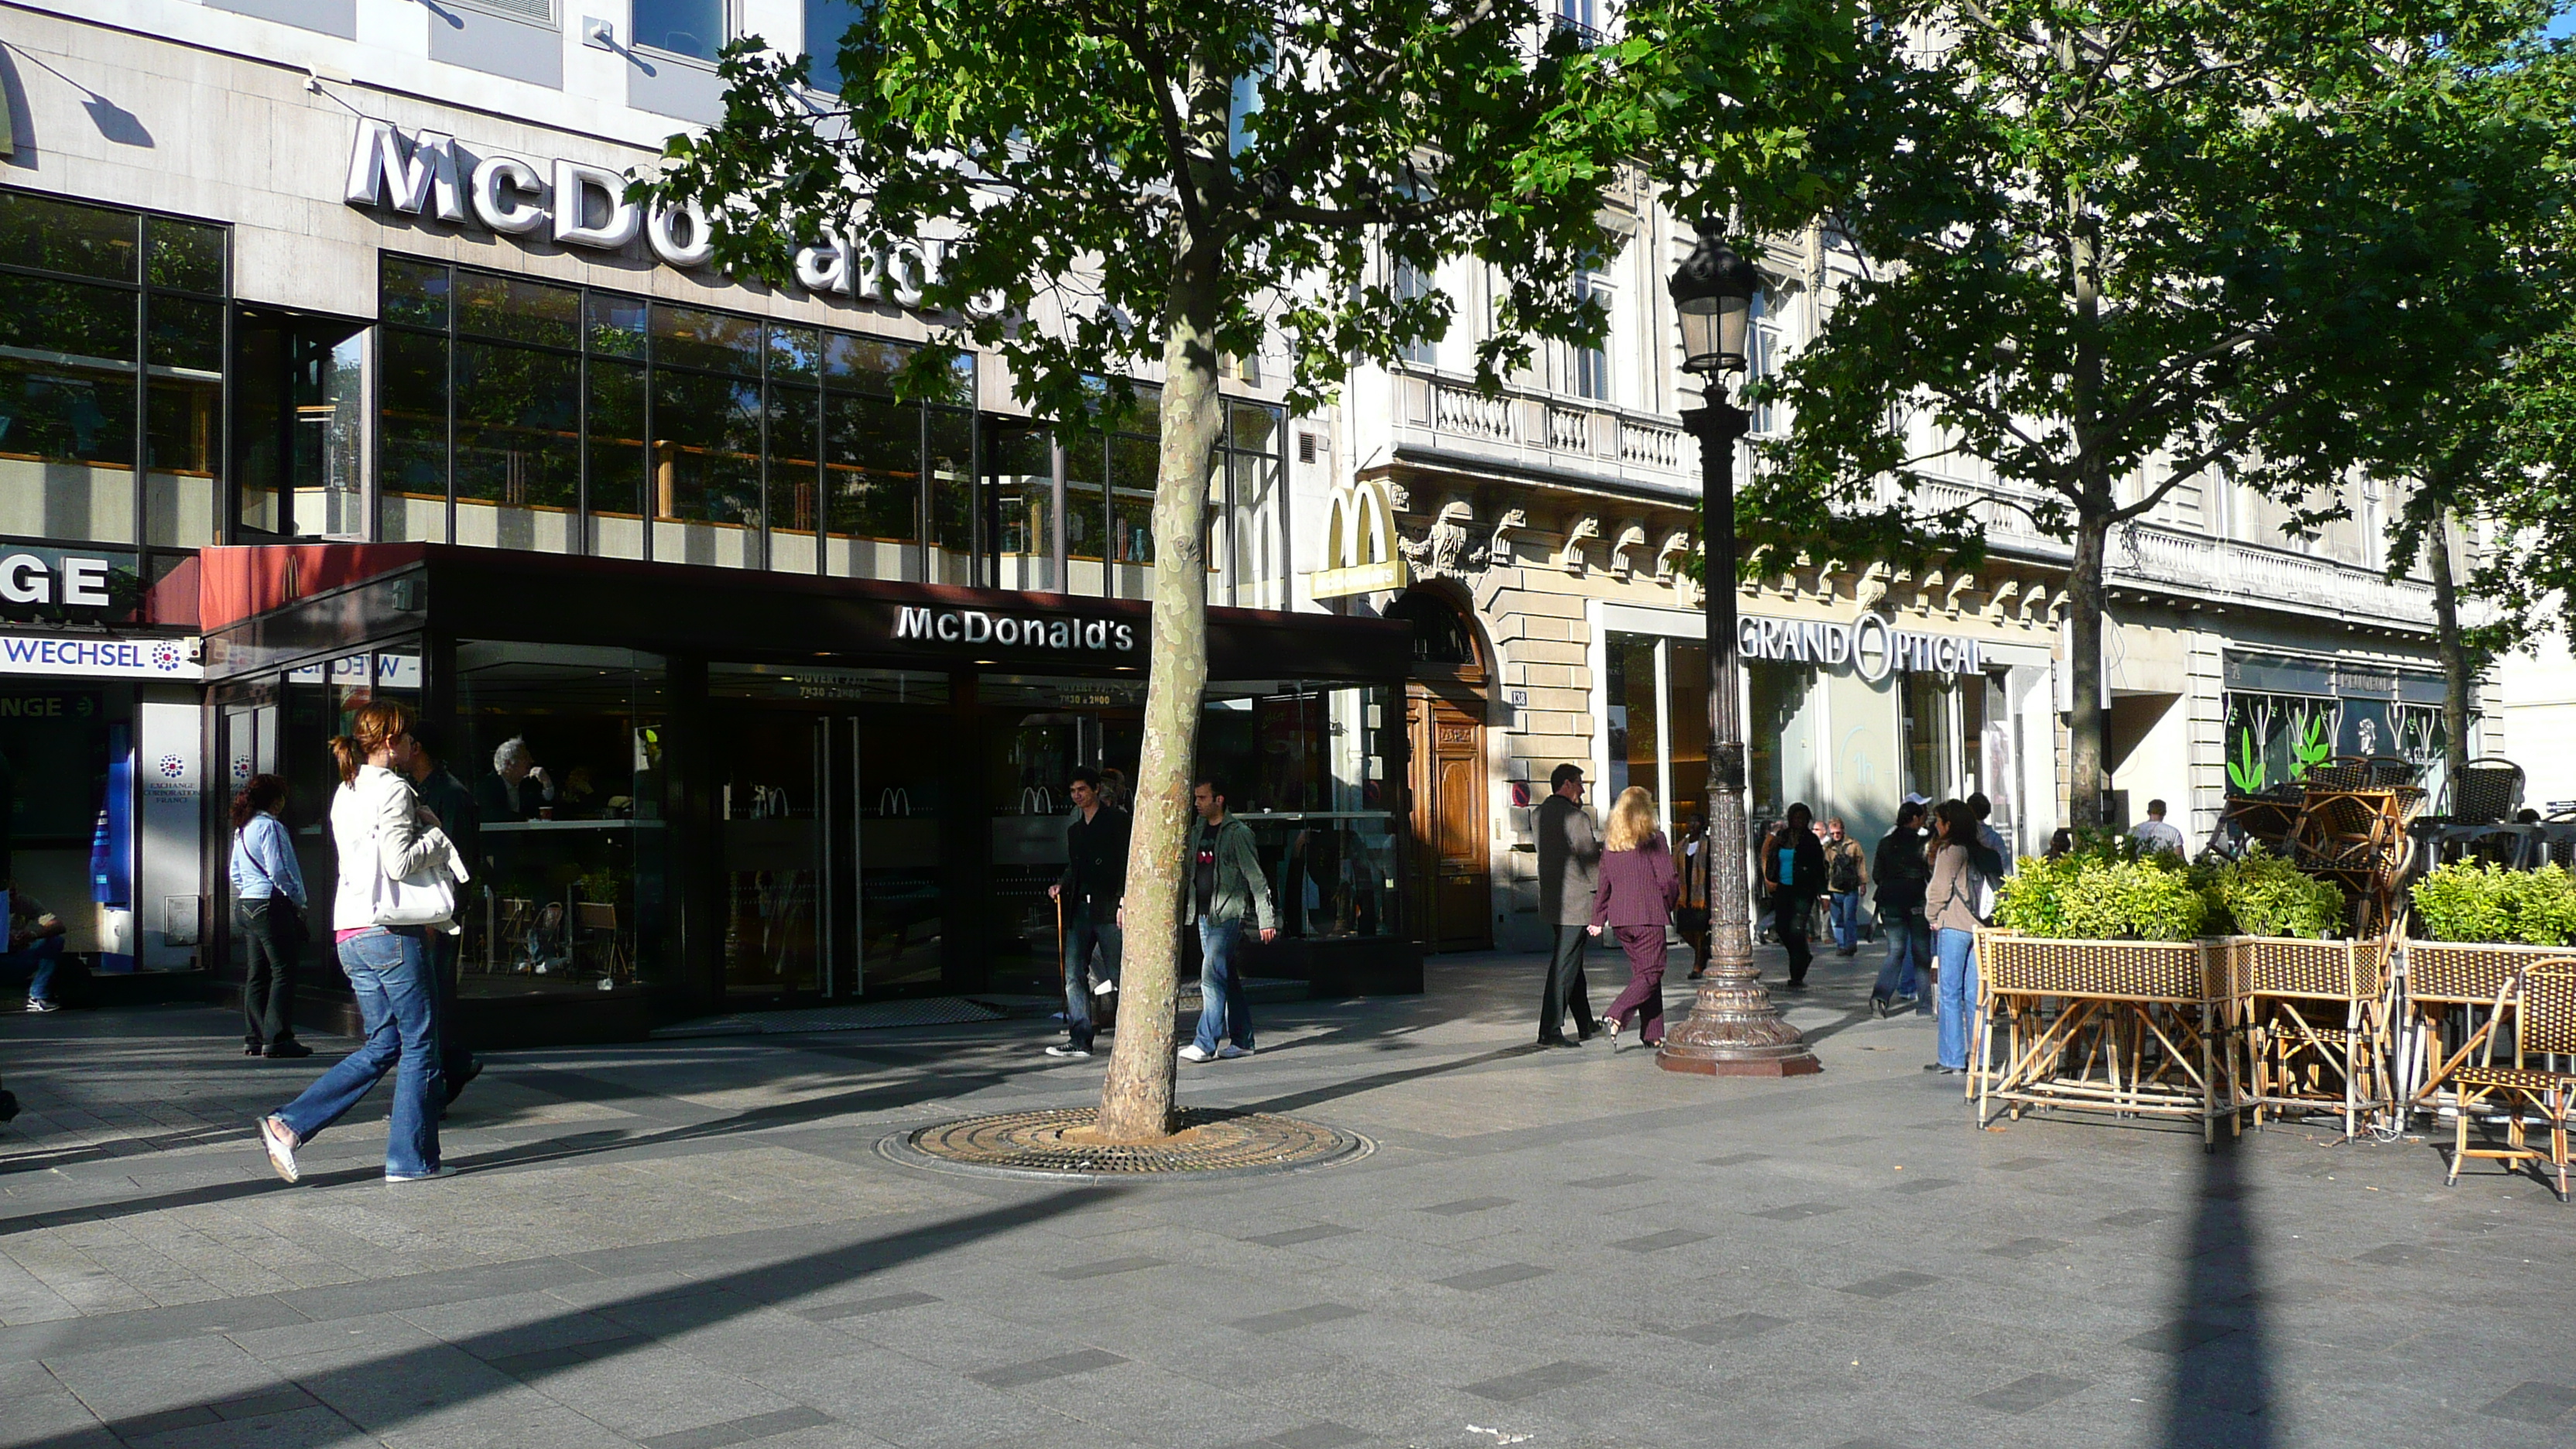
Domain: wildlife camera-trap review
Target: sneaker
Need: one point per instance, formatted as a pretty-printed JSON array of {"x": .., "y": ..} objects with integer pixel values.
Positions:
[
  {"x": 1103, "y": 988},
  {"x": 1230, "y": 1051},
  {"x": 1061, "y": 1050},
  {"x": 1196, "y": 1053},
  {"x": 1896, "y": 1004},
  {"x": 433, "y": 1173},
  {"x": 40, "y": 1005},
  {"x": 281, "y": 1148}
]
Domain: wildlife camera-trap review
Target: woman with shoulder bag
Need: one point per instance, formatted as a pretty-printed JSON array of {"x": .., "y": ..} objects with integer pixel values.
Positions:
[
  {"x": 398, "y": 875},
  {"x": 1638, "y": 888},
  {"x": 269, "y": 886},
  {"x": 1949, "y": 904}
]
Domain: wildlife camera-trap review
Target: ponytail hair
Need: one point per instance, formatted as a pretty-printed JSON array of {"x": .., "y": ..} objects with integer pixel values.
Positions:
[
  {"x": 371, "y": 729},
  {"x": 262, "y": 793}
]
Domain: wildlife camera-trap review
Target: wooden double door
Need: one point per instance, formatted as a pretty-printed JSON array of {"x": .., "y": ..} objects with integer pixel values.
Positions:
[{"x": 1453, "y": 902}]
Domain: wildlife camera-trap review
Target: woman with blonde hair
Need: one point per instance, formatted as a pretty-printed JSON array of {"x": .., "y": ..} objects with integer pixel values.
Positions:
[
  {"x": 1635, "y": 900},
  {"x": 398, "y": 877}
]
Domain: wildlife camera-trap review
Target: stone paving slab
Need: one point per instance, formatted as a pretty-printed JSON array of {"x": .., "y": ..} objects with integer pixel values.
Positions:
[{"x": 692, "y": 1244}]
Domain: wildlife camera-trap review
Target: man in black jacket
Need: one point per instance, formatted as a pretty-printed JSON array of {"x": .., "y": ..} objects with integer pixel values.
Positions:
[
  {"x": 1094, "y": 879},
  {"x": 1902, "y": 874}
]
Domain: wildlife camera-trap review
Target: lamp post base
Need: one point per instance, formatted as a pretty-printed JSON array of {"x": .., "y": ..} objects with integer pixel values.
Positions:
[{"x": 1734, "y": 1031}]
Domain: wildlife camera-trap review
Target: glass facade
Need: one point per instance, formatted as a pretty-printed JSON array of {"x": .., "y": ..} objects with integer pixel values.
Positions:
[
  {"x": 517, "y": 413},
  {"x": 112, "y": 344},
  {"x": 1658, "y": 723}
]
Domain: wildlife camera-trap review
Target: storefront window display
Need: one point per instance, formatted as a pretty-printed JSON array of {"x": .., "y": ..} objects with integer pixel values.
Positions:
[
  {"x": 568, "y": 419},
  {"x": 112, "y": 338},
  {"x": 2288, "y": 715},
  {"x": 558, "y": 748},
  {"x": 1658, "y": 724}
]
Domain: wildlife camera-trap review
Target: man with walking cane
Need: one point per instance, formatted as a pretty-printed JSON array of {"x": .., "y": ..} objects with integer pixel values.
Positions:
[{"x": 1086, "y": 906}]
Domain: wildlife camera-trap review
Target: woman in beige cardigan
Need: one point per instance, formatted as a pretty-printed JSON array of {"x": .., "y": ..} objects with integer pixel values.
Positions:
[{"x": 1949, "y": 907}]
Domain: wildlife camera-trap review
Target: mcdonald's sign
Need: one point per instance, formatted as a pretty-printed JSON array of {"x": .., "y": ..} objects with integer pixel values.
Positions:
[{"x": 1361, "y": 549}]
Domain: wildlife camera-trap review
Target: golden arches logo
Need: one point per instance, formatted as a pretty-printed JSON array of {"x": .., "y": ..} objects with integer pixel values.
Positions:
[{"x": 1362, "y": 551}]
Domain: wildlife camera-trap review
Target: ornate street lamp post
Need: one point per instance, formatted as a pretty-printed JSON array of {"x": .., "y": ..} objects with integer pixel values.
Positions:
[{"x": 1733, "y": 1029}]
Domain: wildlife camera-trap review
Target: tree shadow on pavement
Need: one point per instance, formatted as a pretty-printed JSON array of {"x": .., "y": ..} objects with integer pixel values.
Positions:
[{"x": 415, "y": 1383}]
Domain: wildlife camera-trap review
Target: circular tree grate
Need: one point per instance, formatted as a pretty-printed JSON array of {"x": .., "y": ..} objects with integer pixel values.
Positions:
[{"x": 1209, "y": 1140}]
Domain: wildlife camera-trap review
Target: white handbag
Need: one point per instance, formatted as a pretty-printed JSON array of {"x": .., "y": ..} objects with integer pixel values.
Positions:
[{"x": 426, "y": 897}]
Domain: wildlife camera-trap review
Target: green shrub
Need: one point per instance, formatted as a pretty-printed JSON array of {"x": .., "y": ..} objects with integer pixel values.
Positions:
[
  {"x": 2094, "y": 895},
  {"x": 2262, "y": 894},
  {"x": 2477, "y": 902}
]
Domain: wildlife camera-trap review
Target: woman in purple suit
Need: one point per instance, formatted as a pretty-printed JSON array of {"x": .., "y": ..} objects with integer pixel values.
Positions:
[{"x": 1635, "y": 900}]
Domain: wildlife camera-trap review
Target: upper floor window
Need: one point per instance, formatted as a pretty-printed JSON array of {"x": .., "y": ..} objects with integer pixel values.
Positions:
[
  {"x": 1588, "y": 369},
  {"x": 1581, "y": 17},
  {"x": 695, "y": 28},
  {"x": 1411, "y": 284},
  {"x": 1762, "y": 358},
  {"x": 826, "y": 23}
]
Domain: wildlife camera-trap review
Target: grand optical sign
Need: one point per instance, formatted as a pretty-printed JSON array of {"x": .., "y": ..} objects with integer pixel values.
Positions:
[
  {"x": 430, "y": 174},
  {"x": 1019, "y": 631},
  {"x": 1867, "y": 646}
]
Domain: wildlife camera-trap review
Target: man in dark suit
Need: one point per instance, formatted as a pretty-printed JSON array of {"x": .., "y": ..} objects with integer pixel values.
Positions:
[{"x": 1569, "y": 867}]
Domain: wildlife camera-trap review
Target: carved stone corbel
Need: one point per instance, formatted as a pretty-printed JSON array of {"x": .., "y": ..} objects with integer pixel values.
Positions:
[
  {"x": 1625, "y": 553},
  {"x": 1441, "y": 553},
  {"x": 2057, "y": 603},
  {"x": 1580, "y": 531},
  {"x": 1950, "y": 596},
  {"x": 1498, "y": 550},
  {"x": 1928, "y": 590},
  {"x": 1668, "y": 558},
  {"x": 1825, "y": 577},
  {"x": 1872, "y": 586},
  {"x": 1999, "y": 604},
  {"x": 2034, "y": 605}
]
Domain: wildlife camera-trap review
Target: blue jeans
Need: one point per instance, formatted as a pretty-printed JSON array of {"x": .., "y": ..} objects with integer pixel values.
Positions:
[
  {"x": 1081, "y": 933},
  {"x": 388, "y": 970},
  {"x": 35, "y": 961},
  {"x": 1846, "y": 917},
  {"x": 1958, "y": 990},
  {"x": 1909, "y": 954},
  {"x": 1221, "y": 1009}
]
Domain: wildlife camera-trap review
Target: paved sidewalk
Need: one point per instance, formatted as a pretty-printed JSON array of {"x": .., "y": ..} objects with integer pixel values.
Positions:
[{"x": 693, "y": 1244}]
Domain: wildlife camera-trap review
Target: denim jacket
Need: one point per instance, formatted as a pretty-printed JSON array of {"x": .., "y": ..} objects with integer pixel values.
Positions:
[{"x": 1240, "y": 889}]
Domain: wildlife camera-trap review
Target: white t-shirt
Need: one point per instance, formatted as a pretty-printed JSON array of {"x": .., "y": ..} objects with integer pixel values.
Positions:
[{"x": 2157, "y": 835}]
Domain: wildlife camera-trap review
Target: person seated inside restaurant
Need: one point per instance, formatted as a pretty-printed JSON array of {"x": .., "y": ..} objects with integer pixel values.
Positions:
[{"x": 518, "y": 787}]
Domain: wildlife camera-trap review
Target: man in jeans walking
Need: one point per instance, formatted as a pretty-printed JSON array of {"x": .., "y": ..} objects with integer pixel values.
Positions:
[
  {"x": 1225, "y": 886},
  {"x": 1094, "y": 880},
  {"x": 1846, "y": 876}
]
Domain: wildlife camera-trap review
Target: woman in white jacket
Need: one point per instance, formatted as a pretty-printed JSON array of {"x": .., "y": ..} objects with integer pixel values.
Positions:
[{"x": 384, "y": 836}]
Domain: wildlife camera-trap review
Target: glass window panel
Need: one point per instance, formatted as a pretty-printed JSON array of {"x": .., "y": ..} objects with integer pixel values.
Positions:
[
  {"x": 957, "y": 383},
  {"x": 62, "y": 321},
  {"x": 826, "y": 22},
  {"x": 706, "y": 449},
  {"x": 794, "y": 423},
  {"x": 1631, "y": 701},
  {"x": 518, "y": 310},
  {"x": 183, "y": 441},
  {"x": 518, "y": 419},
  {"x": 66, "y": 451},
  {"x": 411, "y": 446},
  {"x": 65, "y": 236},
  {"x": 682, "y": 27},
  {"x": 1019, "y": 460},
  {"x": 617, "y": 459},
  {"x": 1133, "y": 462},
  {"x": 866, "y": 364},
  {"x": 1256, "y": 428},
  {"x": 872, "y": 468},
  {"x": 185, "y": 254},
  {"x": 614, "y": 325},
  {"x": 187, "y": 333},
  {"x": 1086, "y": 502},
  {"x": 1686, "y": 728},
  {"x": 952, "y": 479},
  {"x": 1928, "y": 745},
  {"x": 794, "y": 352},
  {"x": 414, "y": 292},
  {"x": 717, "y": 341}
]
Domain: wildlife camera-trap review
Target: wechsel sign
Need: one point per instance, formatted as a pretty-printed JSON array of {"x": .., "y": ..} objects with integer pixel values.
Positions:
[
  {"x": 431, "y": 174},
  {"x": 1868, "y": 646},
  {"x": 73, "y": 657}
]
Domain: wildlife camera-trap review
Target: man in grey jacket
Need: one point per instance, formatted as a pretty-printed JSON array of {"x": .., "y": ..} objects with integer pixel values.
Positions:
[
  {"x": 1569, "y": 867},
  {"x": 1226, "y": 885}
]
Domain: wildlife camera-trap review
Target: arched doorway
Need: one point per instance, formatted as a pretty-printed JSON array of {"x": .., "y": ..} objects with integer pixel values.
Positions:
[{"x": 1445, "y": 715}]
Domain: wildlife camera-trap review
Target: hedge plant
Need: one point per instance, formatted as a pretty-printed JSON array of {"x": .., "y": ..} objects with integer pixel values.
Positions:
[
  {"x": 2263, "y": 894},
  {"x": 2092, "y": 895},
  {"x": 2473, "y": 901}
]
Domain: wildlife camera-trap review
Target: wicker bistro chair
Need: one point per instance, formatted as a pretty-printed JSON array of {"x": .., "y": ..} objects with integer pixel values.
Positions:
[
  {"x": 2542, "y": 998},
  {"x": 2132, "y": 1028},
  {"x": 2316, "y": 1015}
]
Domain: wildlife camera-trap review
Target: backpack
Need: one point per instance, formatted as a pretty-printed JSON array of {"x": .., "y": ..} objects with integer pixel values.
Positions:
[
  {"x": 1985, "y": 877},
  {"x": 1846, "y": 876}
]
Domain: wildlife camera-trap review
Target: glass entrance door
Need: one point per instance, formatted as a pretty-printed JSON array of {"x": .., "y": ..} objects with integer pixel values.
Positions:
[{"x": 774, "y": 852}]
